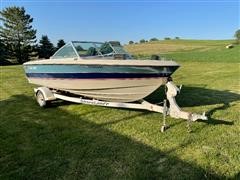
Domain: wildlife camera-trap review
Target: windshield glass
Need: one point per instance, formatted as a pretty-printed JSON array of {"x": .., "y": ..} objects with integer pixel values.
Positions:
[
  {"x": 66, "y": 51},
  {"x": 85, "y": 49}
]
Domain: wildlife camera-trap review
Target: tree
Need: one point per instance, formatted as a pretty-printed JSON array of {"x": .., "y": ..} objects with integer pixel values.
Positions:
[
  {"x": 60, "y": 43},
  {"x": 105, "y": 48},
  {"x": 142, "y": 41},
  {"x": 154, "y": 39},
  {"x": 2, "y": 52},
  {"x": 130, "y": 42},
  {"x": 237, "y": 35},
  {"x": 177, "y": 37},
  {"x": 45, "y": 48},
  {"x": 17, "y": 33},
  {"x": 167, "y": 38}
]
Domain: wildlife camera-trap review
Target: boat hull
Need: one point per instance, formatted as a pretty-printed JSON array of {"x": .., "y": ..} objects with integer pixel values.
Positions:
[
  {"x": 118, "y": 83},
  {"x": 117, "y": 90}
]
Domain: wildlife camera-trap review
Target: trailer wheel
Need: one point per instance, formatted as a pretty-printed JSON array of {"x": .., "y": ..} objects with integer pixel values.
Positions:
[
  {"x": 40, "y": 99},
  {"x": 163, "y": 128}
]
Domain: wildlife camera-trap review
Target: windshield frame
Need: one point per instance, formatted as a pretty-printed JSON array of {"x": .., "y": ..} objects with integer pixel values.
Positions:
[
  {"x": 99, "y": 53},
  {"x": 93, "y": 43}
]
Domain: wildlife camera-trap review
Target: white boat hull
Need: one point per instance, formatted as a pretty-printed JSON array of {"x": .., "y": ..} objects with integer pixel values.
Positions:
[
  {"x": 109, "y": 80},
  {"x": 116, "y": 90}
]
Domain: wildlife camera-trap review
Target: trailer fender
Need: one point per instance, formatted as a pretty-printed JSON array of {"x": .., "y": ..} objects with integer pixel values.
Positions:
[{"x": 47, "y": 93}]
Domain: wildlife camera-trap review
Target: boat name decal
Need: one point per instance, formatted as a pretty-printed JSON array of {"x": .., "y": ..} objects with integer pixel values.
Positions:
[{"x": 93, "y": 102}]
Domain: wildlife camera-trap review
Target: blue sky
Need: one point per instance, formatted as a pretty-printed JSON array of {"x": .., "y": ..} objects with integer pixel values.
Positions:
[{"x": 131, "y": 20}]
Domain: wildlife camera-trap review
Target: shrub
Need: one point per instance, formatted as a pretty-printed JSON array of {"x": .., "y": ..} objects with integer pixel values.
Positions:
[
  {"x": 130, "y": 42},
  {"x": 154, "y": 57},
  {"x": 167, "y": 38},
  {"x": 237, "y": 36},
  {"x": 154, "y": 39}
]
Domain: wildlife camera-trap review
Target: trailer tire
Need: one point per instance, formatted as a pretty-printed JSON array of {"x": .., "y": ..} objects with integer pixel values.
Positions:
[{"x": 41, "y": 99}]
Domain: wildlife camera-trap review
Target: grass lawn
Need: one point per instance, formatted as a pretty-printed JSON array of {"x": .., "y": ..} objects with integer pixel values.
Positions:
[{"x": 72, "y": 141}]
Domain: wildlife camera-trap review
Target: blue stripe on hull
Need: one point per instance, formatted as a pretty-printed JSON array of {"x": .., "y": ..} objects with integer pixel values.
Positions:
[
  {"x": 97, "y": 69},
  {"x": 95, "y": 75}
]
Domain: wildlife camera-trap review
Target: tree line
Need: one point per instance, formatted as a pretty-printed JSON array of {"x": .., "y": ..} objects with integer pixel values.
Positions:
[
  {"x": 236, "y": 35},
  {"x": 150, "y": 40},
  {"x": 18, "y": 38}
]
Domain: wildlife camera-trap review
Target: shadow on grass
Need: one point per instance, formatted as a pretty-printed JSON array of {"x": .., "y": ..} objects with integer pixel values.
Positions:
[
  {"x": 197, "y": 96},
  {"x": 125, "y": 119},
  {"x": 52, "y": 143},
  {"x": 217, "y": 121},
  {"x": 237, "y": 176}
]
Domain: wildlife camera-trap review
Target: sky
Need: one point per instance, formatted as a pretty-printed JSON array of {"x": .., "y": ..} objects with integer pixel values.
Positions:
[{"x": 104, "y": 20}]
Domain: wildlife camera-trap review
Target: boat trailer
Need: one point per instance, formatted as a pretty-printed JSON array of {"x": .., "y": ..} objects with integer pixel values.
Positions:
[{"x": 45, "y": 95}]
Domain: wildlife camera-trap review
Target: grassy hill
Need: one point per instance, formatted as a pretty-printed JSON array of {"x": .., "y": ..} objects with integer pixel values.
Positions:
[
  {"x": 188, "y": 50},
  {"x": 167, "y": 46}
]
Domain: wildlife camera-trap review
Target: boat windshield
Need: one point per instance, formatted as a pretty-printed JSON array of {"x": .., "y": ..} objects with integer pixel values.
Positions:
[{"x": 107, "y": 49}]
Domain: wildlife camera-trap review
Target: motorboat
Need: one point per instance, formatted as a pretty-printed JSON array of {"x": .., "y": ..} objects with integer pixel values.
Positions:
[
  {"x": 103, "y": 71},
  {"x": 104, "y": 74}
]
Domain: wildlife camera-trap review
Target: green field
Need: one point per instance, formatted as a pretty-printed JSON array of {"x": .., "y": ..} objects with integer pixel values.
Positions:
[
  {"x": 188, "y": 50},
  {"x": 72, "y": 141}
]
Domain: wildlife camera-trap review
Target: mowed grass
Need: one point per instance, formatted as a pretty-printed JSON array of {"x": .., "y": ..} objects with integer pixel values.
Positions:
[
  {"x": 72, "y": 141},
  {"x": 168, "y": 46}
]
